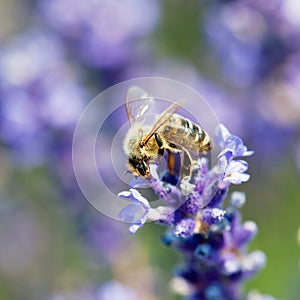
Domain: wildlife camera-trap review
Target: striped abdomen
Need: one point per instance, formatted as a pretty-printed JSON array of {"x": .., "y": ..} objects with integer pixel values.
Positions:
[{"x": 184, "y": 132}]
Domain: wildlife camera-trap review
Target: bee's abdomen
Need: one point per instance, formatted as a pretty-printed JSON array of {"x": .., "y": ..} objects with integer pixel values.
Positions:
[{"x": 182, "y": 131}]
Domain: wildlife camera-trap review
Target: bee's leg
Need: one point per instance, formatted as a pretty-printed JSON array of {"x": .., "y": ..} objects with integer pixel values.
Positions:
[
  {"x": 160, "y": 144},
  {"x": 172, "y": 148},
  {"x": 171, "y": 162},
  {"x": 186, "y": 164},
  {"x": 185, "y": 157},
  {"x": 158, "y": 140},
  {"x": 161, "y": 151}
]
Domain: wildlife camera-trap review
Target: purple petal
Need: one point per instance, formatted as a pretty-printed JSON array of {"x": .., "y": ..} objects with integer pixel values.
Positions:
[
  {"x": 210, "y": 189},
  {"x": 236, "y": 178},
  {"x": 191, "y": 205},
  {"x": 185, "y": 228},
  {"x": 248, "y": 152},
  {"x": 218, "y": 197},
  {"x": 161, "y": 213},
  {"x": 230, "y": 143},
  {"x": 133, "y": 228},
  {"x": 253, "y": 262},
  {"x": 235, "y": 172},
  {"x": 224, "y": 159},
  {"x": 213, "y": 215},
  {"x": 235, "y": 144},
  {"x": 221, "y": 135},
  {"x": 237, "y": 199},
  {"x": 135, "y": 197},
  {"x": 231, "y": 265},
  {"x": 245, "y": 234},
  {"x": 133, "y": 213}
]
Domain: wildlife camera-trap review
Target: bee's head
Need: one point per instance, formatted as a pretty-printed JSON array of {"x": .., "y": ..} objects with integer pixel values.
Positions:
[{"x": 139, "y": 167}]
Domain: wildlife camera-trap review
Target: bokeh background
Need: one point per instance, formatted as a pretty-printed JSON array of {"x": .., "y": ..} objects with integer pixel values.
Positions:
[{"x": 57, "y": 55}]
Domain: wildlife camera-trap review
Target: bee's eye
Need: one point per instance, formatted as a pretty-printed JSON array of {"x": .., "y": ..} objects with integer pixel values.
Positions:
[
  {"x": 139, "y": 166},
  {"x": 141, "y": 170},
  {"x": 134, "y": 163}
]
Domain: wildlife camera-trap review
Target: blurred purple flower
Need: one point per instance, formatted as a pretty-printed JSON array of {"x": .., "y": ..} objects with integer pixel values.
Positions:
[
  {"x": 107, "y": 290},
  {"x": 237, "y": 199},
  {"x": 251, "y": 39},
  {"x": 40, "y": 93},
  {"x": 105, "y": 33},
  {"x": 115, "y": 290}
]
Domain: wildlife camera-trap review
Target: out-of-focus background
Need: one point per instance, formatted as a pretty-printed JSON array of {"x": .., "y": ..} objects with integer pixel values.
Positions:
[{"x": 56, "y": 55}]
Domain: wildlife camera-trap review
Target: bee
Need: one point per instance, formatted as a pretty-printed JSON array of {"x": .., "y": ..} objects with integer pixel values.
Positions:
[{"x": 172, "y": 132}]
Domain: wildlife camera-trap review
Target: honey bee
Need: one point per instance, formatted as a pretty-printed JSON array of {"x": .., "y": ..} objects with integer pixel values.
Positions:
[{"x": 144, "y": 144}]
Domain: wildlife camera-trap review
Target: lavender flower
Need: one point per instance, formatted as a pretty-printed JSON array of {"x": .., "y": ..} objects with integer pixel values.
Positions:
[
  {"x": 40, "y": 94},
  {"x": 139, "y": 211},
  {"x": 212, "y": 238},
  {"x": 255, "y": 39},
  {"x": 232, "y": 170}
]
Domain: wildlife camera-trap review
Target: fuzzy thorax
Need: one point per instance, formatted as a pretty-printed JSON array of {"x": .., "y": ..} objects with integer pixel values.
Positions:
[{"x": 135, "y": 134}]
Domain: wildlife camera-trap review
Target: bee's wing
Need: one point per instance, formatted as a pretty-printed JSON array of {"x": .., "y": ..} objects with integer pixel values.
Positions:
[
  {"x": 138, "y": 102},
  {"x": 165, "y": 116}
]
